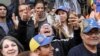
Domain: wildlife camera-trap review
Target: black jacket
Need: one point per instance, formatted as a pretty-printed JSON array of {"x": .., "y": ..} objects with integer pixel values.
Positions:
[
  {"x": 64, "y": 45},
  {"x": 12, "y": 31},
  {"x": 98, "y": 50},
  {"x": 25, "y": 32}
]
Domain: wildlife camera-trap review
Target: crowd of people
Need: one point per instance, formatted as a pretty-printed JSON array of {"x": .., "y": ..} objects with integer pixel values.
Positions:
[{"x": 32, "y": 29}]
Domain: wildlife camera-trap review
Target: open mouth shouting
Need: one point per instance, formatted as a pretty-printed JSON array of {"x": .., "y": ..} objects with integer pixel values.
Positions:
[{"x": 46, "y": 29}]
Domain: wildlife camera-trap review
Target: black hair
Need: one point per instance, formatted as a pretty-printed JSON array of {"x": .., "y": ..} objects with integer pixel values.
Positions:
[
  {"x": 39, "y": 1},
  {"x": 18, "y": 8},
  {"x": 5, "y": 7},
  {"x": 22, "y": 4}
]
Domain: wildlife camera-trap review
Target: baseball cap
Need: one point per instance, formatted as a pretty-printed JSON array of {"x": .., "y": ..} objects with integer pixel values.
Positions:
[
  {"x": 97, "y": 2},
  {"x": 99, "y": 23},
  {"x": 62, "y": 8},
  {"x": 38, "y": 41},
  {"x": 98, "y": 9},
  {"x": 89, "y": 24}
]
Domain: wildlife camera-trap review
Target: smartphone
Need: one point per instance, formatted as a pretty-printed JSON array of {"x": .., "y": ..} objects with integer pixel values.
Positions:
[{"x": 57, "y": 18}]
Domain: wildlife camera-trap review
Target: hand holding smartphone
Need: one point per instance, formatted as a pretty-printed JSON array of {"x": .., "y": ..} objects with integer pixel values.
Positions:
[{"x": 57, "y": 21}]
